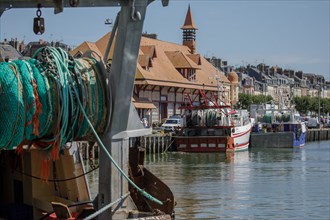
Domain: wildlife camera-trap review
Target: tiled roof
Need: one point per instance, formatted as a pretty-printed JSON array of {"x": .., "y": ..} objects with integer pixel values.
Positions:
[
  {"x": 179, "y": 60},
  {"x": 163, "y": 71},
  {"x": 84, "y": 47},
  {"x": 196, "y": 58},
  {"x": 149, "y": 50},
  {"x": 7, "y": 51},
  {"x": 102, "y": 45},
  {"x": 282, "y": 76}
]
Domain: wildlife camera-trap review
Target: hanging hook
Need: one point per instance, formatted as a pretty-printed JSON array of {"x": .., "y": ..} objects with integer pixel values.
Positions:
[
  {"x": 38, "y": 22},
  {"x": 135, "y": 15},
  {"x": 38, "y": 13}
]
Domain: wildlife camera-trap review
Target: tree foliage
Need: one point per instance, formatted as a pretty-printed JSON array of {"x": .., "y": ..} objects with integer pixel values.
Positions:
[
  {"x": 305, "y": 104},
  {"x": 302, "y": 104},
  {"x": 245, "y": 100}
]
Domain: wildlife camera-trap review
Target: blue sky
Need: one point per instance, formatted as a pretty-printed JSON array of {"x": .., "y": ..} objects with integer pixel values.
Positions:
[{"x": 291, "y": 34}]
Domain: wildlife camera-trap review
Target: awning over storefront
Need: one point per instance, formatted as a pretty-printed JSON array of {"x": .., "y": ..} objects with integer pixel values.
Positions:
[{"x": 144, "y": 105}]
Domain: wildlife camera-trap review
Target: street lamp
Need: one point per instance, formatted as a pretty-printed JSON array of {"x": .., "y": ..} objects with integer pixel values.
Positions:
[
  {"x": 319, "y": 86},
  {"x": 319, "y": 112}
]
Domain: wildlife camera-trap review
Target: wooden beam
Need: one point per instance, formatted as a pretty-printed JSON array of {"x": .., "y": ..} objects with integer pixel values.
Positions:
[
  {"x": 143, "y": 87},
  {"x": 153, "y": 88}
]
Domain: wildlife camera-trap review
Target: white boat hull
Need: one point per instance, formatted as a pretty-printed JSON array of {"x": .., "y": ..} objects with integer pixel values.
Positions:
[{"x": 241, "y": 137}]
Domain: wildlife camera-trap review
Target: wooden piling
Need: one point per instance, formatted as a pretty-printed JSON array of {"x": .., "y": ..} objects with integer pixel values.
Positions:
[
  {"x": 155, "y": 143},
  {"x": 318, "y": 134}
]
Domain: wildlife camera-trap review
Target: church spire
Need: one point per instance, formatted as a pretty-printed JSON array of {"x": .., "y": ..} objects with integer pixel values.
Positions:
[
  {"x": 189, "y": 32},
  {"x": 189, "y": 22}
]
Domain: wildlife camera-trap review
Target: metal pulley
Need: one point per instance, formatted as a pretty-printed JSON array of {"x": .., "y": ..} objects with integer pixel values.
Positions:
[
  {"x": 38, "y": 23},
  {"x": 165, "y": 2},
  {"x": 74, "y": 3}
]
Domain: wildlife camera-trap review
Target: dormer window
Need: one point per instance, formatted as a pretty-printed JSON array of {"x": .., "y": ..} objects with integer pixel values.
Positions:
[
  {"x": 183, "y": 64},
  {"x": 145, "y": 62},
  {"x": 149, "y": 50},
  {"x": 188, "y": 73},
  {"x": 191, "y": 76}
]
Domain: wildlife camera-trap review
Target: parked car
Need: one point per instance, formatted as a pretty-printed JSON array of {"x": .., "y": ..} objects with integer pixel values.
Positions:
[
  {"x": 325, "y": 122},
  {"x": 172, "y": 124},
  {"x": 312, "y": 123}
]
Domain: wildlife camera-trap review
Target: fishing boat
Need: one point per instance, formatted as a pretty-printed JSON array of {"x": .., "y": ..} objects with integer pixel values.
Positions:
[
  {"x": 276, "y": 128},
  {"x": 210, "y": 125}
]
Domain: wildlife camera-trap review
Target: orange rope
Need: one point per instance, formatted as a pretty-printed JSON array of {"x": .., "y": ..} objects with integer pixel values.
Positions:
[
  {"x": 19, "y": 149},
  {"x": 38, "y": 111},
  {"x": 55, "y": 149}
]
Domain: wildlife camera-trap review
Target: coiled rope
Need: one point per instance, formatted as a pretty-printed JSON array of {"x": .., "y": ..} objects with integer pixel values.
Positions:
[
  {"x": 60, "y": 100},
  {"x": 12, "y": 115},
  {"x": 39, "y": 105}
]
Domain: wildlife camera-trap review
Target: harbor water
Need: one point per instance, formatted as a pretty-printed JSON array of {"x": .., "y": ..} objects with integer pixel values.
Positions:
[{"x": 256, "y": 184}]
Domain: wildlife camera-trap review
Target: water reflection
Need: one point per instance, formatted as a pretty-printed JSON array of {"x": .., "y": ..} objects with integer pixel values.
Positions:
[
  {"x": 256, "y": 184},
  {"x": 205, "y": 180}
]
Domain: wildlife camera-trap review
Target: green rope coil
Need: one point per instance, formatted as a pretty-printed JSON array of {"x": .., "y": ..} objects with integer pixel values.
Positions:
[
  {"x": 85, "y": 76},
  {"x": 57, "y": 98},
  {"x": 26, "y": 75},
  {"x": 101, "y": 94},
  {"x": 45, "y": 96},
  {"x": 38, "y": 102},
  {"x": 11, "y": 107}
]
